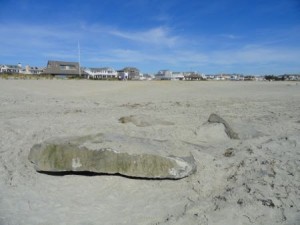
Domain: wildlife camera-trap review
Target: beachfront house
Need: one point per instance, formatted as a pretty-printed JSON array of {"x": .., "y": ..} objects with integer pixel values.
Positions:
[
  {"x": 122, "y": 75},
  {"x": 101, "y": 73},
  {"x": 63, "y": 69},
  {"x": 34, "y": 70},
  {"x": 11, "y": 69},
  {"x": 291, "y": 77},
  {"x": 163, "y": 75},
  {"x": 130, "y": 73},
  {"x": 147, "y": 76},
  {"x": 177, "y": 76},
  {"x": 194, "y": 76},
  {"x": 169, "y": 75}
]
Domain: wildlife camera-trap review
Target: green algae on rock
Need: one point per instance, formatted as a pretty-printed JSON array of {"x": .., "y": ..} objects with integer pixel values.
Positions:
[{"x": 92, "y": 154}]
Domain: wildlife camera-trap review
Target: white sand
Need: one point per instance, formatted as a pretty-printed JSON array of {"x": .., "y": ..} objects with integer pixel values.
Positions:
[{"x": 258, "y": 184}]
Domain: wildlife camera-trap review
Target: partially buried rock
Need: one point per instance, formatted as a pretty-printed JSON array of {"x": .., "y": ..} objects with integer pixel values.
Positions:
[
  {"x": 214, "y": 118},
  {"x": 143, "y": 120},
  {"x": 229, "y": 152},
  {"x": 112, "y": 154}
]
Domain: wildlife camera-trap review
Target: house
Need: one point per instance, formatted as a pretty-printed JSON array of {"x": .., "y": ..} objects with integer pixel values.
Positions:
[
  {"x": 122, "y": 75},
  {"x": 32, "y": 70},
  {"x": 66, "y": 69},
  {"x": 101, "y": 73},
  {"x": 249, "y": 78},
  {"x": 291, "y": 77},
  {"x": 236, "y": 77},
  {"x": 177, "y": 76},
  {"x": 130, "y": 73},
  {"x": 169, "y": 75},
  {"x": 147, "y": 76},
  {"x": 11, "y": 69},
  {"x": 194, "y": 76},
  {"x": 163, "y": 75}
]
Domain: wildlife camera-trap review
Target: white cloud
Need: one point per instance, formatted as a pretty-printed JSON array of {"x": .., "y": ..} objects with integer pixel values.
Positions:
[
  {"x": 157, "y": 36},
  {"x": 27, "y": 30},
  {"x": 255, "y": 55},
  {"x": 230, "y": 36}
]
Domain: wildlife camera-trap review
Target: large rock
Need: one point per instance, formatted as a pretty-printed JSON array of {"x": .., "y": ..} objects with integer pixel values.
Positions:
[{"x": 112, "y": 154}]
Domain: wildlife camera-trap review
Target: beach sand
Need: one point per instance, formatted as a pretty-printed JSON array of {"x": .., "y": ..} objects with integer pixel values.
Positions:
[{"x": 251, "y": 180}]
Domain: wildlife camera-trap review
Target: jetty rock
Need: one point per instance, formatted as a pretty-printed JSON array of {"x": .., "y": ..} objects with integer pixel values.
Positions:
[{"x": 112, "y": 154}]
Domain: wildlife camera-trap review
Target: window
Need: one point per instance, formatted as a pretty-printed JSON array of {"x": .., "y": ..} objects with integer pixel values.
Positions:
[{"x": 67, "y": 67}]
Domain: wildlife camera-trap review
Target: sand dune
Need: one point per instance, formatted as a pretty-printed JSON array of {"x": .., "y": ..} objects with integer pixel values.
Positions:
[{"x": 251, "y": 180}]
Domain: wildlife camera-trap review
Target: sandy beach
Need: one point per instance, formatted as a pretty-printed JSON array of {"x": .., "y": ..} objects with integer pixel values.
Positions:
[{"x": 251, "y": 180}]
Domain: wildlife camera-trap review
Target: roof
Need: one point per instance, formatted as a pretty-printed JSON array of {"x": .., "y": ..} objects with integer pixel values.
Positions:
[
  {"x": 12, "y": 66},
  {"x": 101, "y": 68},
  {"x": 62, "y": 68},
  {"x": 62, "y": 62},
  {"x": 132, "y": 69}
]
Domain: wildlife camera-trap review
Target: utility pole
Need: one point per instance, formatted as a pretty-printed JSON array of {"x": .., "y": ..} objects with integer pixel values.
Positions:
[{"x": 79, "y": 59}]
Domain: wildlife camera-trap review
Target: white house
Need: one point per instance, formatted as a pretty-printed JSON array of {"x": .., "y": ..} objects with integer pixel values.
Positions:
[
  {"x": 169, "y": 75},
  {"x": 194, "y": 76},
  {"x": 123, "y": 75},
  {"x": 147, "y": 76},
  {"x": 101, "y": 73},
  {"x": 177, "y": 76},
  {"x": 11, "y": 68},
  {"x": 164, "y": 75},
  {"x": 32, "y": 70}
]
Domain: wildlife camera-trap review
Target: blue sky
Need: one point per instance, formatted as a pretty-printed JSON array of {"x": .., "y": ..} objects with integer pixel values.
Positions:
[{"x": 209, "y": 36}]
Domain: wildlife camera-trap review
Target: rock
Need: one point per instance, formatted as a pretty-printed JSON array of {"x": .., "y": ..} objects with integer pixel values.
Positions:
[
  {"x": 267, "y": 202},
  {"x": 111, "y": 154},
  {"x": 229, "y": 152},
  {"x": 214, "y": 118},
  {"x": 143, "y": 120}
]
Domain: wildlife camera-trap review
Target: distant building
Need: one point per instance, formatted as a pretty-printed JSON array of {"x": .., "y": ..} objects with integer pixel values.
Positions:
[
  {"x": 177, "y": 76},
  {"x": 249, "y": 78},
  {"x": 169, "y": 75},
  {"x": 11, "y": 69},
  {"x": 291, "y": 77},
  {"x": 60, "y": 68},
  {"x": 32, "y": 70},
  {"x": 194, "y": 76},
  {"x": 101, "y": 73},
  {"x": 163, "y": 75},
  {"x": 147, "y": 76},
  {"x": 130, "y": 73},
  {"x": 236, "y": 77},
  {"x": 122, "y": 75}
]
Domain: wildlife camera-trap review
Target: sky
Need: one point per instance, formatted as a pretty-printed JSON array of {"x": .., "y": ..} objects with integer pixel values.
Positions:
[{"x": 209, "y": 36}]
